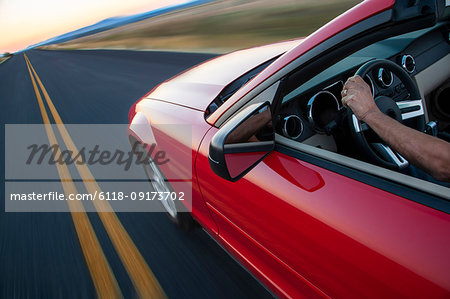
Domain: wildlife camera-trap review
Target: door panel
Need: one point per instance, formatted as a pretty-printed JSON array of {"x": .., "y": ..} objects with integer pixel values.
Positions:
[{"x": 345, "y": 237}]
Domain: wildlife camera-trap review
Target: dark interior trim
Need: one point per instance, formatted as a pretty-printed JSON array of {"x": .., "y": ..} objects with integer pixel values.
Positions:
[{"x": 248, "y": 147}]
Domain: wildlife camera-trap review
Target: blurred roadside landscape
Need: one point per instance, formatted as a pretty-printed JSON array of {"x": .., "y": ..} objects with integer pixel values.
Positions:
[
  {"x": 5, "y": 56},
  {"x": 218, "y": 26}
]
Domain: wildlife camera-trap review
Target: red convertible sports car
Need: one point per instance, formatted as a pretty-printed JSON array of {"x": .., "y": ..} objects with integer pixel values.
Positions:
[{"x": 304, "y": 195}]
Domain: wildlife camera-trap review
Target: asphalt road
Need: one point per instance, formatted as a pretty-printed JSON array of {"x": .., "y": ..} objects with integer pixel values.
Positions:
[{"x": 40, "y": 253}]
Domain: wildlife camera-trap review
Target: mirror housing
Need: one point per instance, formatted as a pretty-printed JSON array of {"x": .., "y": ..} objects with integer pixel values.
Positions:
[{"x": 242, "y": 142}]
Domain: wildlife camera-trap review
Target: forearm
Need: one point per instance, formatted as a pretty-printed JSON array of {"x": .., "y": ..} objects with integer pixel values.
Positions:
[
  {"x": 249, "y": 127},
  {"x": 427, "y": 152}
]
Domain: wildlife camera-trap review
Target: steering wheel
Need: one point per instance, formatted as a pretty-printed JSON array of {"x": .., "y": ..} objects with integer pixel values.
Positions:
[{"x": 411, "y": 107}]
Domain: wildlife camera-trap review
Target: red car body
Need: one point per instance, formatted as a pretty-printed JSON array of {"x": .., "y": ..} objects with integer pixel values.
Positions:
[{"x": 302, "y": 229}]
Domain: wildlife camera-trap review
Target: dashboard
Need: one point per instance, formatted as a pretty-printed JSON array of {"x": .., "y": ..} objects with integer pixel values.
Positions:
[{"x": 315, "y": 107}]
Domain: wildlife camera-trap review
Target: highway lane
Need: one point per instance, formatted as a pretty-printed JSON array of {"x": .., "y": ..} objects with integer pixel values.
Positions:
[{"x": 40, "y": 253}]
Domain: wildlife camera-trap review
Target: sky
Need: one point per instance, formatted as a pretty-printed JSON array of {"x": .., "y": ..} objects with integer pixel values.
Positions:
[{"x": 26, "y": 22}]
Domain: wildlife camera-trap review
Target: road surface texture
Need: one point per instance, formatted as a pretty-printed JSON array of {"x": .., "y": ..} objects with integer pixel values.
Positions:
[{"x": 41, "y": 255}]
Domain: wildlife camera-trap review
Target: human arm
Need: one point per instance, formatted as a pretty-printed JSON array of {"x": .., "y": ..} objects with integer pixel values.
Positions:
[
  {"x": 425, "y": 151},
  {"x": 246, "y": 131}
]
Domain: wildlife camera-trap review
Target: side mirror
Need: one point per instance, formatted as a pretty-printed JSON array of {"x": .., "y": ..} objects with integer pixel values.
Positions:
[{"x": 242, "y": 142}]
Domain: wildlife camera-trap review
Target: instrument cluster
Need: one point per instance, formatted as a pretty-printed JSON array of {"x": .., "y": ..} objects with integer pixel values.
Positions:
[{"x": 314, "y": 111}]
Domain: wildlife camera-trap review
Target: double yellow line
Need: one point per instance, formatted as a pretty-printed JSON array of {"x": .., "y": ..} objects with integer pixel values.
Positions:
[{"x": 104, "y": 281}]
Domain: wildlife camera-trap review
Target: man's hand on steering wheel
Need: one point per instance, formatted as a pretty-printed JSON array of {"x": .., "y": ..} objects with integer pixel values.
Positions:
[
  {"x": 357, "y": 96},
  {"x": 427, "y": 152}
]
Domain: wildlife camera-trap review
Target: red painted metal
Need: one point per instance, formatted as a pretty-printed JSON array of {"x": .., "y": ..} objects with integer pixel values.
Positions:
[
  {"x": 362, "y": 11},
  {"x": 239, "y": 162},
  {"x": 327, "y": 232},
  {"x": 166, "y": 120},
  {"x": 302, "y": 230},
  {"x": 196, "y": 88}
]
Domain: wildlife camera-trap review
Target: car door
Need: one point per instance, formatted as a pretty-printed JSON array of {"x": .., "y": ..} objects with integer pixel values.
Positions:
[{"x": 310, "y": 227}]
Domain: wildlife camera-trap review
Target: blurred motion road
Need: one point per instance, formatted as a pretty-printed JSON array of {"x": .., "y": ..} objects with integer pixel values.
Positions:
[{"x": 40, "y": 253}]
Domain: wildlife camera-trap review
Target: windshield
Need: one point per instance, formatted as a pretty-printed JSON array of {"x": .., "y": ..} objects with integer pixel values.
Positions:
[{"x": 383, "y": 49}]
